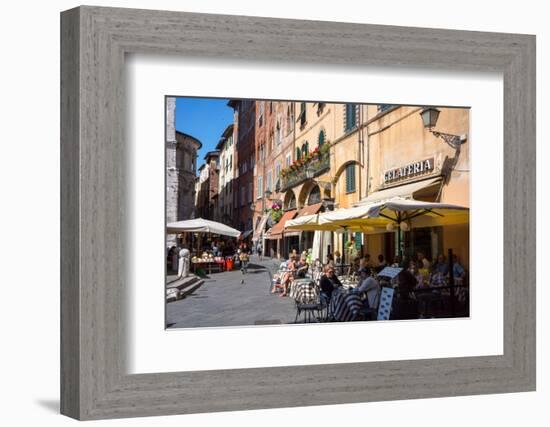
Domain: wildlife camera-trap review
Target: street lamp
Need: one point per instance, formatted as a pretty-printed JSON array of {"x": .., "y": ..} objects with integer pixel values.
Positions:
[{"x": 429, "y": 119}]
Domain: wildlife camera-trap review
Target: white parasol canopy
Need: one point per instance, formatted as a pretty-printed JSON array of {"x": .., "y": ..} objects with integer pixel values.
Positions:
[{"x": 200, "y": 225}]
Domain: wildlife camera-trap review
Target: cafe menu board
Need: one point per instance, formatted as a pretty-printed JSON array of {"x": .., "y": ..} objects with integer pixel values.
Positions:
[{"x": 390, "y": 272}]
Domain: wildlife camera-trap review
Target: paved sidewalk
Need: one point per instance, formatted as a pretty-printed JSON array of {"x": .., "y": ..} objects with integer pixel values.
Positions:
[{"x": 223, "y": 300}]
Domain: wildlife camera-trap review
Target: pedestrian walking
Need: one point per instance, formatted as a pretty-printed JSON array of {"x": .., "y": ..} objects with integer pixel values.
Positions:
[{"x": 244, "y": 258}]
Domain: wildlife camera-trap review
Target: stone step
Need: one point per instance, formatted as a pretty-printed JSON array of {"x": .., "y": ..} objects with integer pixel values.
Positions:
[{"x": 180, "y": 288}]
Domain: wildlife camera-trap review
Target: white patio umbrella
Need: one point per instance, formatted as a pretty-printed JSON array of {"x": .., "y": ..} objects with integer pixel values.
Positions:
[{"x": 201, "y": 225}]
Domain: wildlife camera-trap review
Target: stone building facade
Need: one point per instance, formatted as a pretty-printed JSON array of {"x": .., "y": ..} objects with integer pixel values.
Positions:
[
  {"x": 245, "y": 117},
  {"x": 343, "y": 155},
  {"x": 226, "y": 147},
  {"x": 181, "y": 161},
  {"x": 405, "y": 158},
  {"x": 207, "y": 186}
]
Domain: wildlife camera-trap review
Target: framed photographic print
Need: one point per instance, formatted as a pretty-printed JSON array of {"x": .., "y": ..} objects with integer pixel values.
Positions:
[{"x": 262, "y": 213}]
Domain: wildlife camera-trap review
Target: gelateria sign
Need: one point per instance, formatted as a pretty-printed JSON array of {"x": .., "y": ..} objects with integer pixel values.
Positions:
[{"x": 411, "y": 170}]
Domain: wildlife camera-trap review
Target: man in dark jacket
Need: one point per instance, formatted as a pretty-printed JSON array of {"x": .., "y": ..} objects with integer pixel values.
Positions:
[{"x": 329, "y": 281}]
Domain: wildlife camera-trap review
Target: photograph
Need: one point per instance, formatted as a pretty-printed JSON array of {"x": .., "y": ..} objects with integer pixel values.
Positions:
[{"x": 286, "y": 212}]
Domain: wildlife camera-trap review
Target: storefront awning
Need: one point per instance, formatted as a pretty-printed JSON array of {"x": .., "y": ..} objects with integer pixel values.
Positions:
[
  {"x": 276, "y": 232},
  {"x": 310, "y": 210},
  {"x": 246, "y": 234},
  {"x": 260, "y": 228},
  {"x": 406, "y": 191}
]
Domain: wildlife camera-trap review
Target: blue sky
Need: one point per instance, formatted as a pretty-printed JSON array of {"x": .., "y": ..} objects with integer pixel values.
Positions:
[{"x": 205, "y": 119}]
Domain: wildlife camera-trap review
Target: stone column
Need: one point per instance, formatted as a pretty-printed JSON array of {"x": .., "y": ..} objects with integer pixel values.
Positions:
[{"x": 172, "y": 179}]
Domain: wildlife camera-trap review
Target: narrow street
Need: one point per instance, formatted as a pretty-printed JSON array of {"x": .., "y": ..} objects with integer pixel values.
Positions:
[{"x": 223, "y": 300}]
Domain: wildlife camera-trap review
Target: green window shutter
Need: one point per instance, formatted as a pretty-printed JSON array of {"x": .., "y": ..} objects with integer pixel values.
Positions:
[
  {"x": 351, "y": 116},
  {"x": 350, "y": 178},
  {"x": 321, "y": 140}
]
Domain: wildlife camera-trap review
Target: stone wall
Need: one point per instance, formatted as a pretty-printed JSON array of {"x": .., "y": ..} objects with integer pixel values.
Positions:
[{"x": 181, "y": 158}]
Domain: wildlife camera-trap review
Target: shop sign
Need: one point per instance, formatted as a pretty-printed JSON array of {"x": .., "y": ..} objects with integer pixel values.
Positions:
[{"x": 408, "y": 171}]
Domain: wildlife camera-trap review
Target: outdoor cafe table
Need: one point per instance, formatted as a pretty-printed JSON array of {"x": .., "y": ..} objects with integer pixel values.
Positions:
[
  {"x": 345, "y": 305},
  {"x": 208, "y": 264},
  {"x": 304, "y": 291}
]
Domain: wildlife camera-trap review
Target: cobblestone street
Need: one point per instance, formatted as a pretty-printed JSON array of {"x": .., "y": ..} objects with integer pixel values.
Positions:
[{"x": 224, "y": 300}]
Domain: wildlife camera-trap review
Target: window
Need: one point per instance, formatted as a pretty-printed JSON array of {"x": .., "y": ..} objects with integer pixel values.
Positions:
[
  {"x": 320, "y": 108},
  {"x": 350, "y": 117},
  {"x": 314, "y": 196},
  {"x": 250, "y": 192},
  {"x": 260, "y": 186},
  {"x": 252, "y": 162},
  {"x": 288, "y": 120},
  {"x": 268, "y": 182},
  {"x": 288, "y": 160},
  {"x": 262, "y": 152},
  {"x": 302, "y": 114},
  {"x": 278, "y": 134},
  {"x": 321, "y": 139},
  {"x": 270, "y": 107},
  {"x": 350, "y": 178},
  {"x": 384, "y": 107},
  {"x": 298, "y": 154},
  {"x": 291, "y": 204},
  {"x": 305, "y": 149},
  {"x": 277, "y": 170}
]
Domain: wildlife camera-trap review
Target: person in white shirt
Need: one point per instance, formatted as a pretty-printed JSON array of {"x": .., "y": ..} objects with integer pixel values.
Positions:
[{"x": 369, "y": 286}]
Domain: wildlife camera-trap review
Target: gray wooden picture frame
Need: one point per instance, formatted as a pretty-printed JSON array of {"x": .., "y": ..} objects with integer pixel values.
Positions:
[{"x": 94, "y": 41}]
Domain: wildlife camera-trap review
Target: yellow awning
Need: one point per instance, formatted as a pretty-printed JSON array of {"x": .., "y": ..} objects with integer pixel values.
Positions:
[{"x": 374, "y": 217}]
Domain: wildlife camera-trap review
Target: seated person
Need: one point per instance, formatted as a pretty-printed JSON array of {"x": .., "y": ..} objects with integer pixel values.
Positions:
[
  {"x": 277, "y": 277},
  {"x": 288, "y": 276},
  {"x": 441, "y": 266},
  {"x": 369, "y": 286},
  {"x": 458, "y": 271},
  {"x": 413, "y": 269},
  {"x": 302, "y": 267},
  {"x": 329, "y": 282},
  {"x": 397, "y": 262},
  {"x": 404, "y": 306},
  {"x": 381, "y": 263}
]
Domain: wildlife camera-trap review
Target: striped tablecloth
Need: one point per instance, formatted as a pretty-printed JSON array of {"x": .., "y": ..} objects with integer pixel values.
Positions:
[
  {"x": 345, "y": 306},
  {"x": 304, "y": 292}
]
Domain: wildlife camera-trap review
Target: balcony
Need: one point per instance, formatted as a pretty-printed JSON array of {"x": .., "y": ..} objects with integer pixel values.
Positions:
[{"x": 316, "y": 165}]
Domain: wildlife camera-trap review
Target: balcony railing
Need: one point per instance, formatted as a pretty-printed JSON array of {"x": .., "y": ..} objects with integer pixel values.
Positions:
[{"x": 316, "y": 166}]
